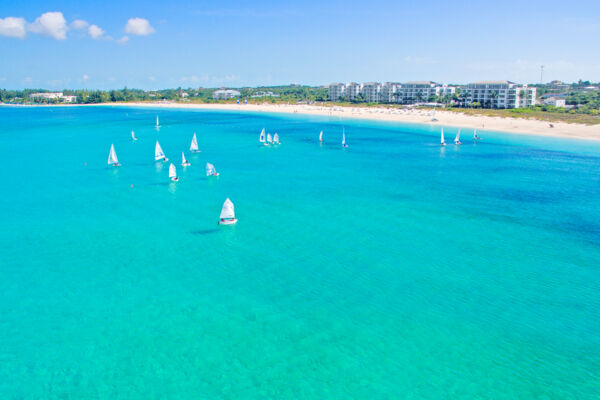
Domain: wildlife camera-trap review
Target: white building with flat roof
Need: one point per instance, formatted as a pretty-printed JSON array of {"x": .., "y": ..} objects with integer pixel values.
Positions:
[
  {"x": 222, "y": 94},
  {"x": 500, "y": 94},
  {"x": 555, "y": 101},
  {"x": 352, "y": 90},
  {"x": 48, "y": 96},
  {"x": 371, "y": 91},
  {"x": 336, "y": 91},
  {"x": 389, "y": 92}
]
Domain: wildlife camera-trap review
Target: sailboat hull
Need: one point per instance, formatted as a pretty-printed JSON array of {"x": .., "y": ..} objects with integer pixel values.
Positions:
[{"x": 227, "y": 221}]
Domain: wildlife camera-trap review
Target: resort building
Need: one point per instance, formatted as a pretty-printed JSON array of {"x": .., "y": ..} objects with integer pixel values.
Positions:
[
  {"x": 225, "y": 94},
  {"x": 69, "y": 99},
  {"x": 421, "y": 91},
  {"x": 371, "y": 92},
  {"x": 500, "y": 94},
  {"x": 352, "y": 90},
  {"x": 47, "y": 96},
  {"x": 389, "y": 92},
  {"x": 336, "y": 91}
]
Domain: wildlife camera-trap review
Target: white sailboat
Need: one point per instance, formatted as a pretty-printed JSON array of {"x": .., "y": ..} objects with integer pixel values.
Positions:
[
  {"x": 475, "y": 137},
  {"x": 133, "y": 136},
  {"x": 194, "y": 145},
  {"x": 184, "y": 162},
  {"x": 112, "y": 157},
  {"x": 157, "y": 123},
  {"x": 269, "y": 138},
  {"x": 344, "y": 138},
  {"x": 457, "y": 138},
  {"x": 442, "y": 142},
  {"x": 321, "y": 137},
  {"x": 173, "y": 173},
  {"x": 262, "y": 136},
  {"x": 158, "y": 153},
  {"x": 210, "y": 170},
  {"x": 276, "y": 139},
  {"x": 227, "y": 216}
]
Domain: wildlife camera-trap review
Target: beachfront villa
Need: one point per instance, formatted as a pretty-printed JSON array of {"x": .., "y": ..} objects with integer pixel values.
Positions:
[
  {"x": 223, "y": 94},
  {"x": 500, "y": 94},
  {"x": 58, "y": 96}
]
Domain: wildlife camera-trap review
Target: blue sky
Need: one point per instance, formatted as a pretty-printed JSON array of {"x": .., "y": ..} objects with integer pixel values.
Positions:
[{"x": 238, "y": 43}]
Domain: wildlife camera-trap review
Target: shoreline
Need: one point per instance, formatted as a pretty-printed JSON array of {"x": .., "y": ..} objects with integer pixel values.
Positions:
[{"x": 444, "y": 118}]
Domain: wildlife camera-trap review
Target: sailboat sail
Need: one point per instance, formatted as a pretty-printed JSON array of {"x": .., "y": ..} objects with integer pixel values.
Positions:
[
  {"x": 343, "y": 138},
  {"x": 158, "y": 152},
  {"x": 227, "y": 212},
  {"x": 157, "y": 123},
  {"x": 262, "y": 136},
  {"x": 321, "y": 136},
  {"x": 276, "y": 138},
  {"x": 442, "y": 140},
  {"x": 269, "y": 138},
  {"x": 457, "y": 138},
  {"x": 183, "y": 160},
  {"x": 194, "y": 145},
  {"x": 172, "y": 171},
  {"x": 210, "y": 169},
  {"x": 112, "y": 156},
  {"x": 133, "y": 136}
]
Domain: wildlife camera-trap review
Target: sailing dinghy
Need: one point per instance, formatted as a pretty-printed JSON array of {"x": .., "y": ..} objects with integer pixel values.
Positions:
[
  {"x": 133, "y": 136},
  {"x": 269, "y": 139},
  {"x": 262, "y": 136},
  {"x": 475, "y": 137},
  {"x": 184, "y": 162},
  {"x": 210, "y": 170},
  {"x": 173, "y": 173},
  {"x": 227, "y": 216},
  {"x": 112, "y": 157},
  {"x": 442, "y": 142},
  {"x": 158, "y": 153},
  {"x": 157, "y": 123},
  {"x": 344, "y": 139},
  {"x": 194, "y": 145},
  {"x": 321, "y": 137},
  {"x": 457, "y": 138},
  {"x": 276, "y": 139}
]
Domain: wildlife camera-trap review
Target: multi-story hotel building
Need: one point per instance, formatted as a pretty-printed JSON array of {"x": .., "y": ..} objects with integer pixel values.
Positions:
[
  {"x": 336, "y": 91},
  {"x": 500, "y": 94},
  {"x": 371, "y": 91},
  {"x": 389, "y": 92},
  {"x": 353, "y": 90}
]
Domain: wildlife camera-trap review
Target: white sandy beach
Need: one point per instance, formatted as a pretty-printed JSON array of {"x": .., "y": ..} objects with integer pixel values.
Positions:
[{"x": 444, "y": 118}]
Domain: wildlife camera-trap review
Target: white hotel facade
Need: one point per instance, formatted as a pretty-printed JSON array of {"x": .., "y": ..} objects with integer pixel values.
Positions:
[{"x": 492, "y": 94}]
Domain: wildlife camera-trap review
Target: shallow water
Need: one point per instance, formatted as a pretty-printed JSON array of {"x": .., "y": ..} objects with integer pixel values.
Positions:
[{"x": 391, "y": 269}]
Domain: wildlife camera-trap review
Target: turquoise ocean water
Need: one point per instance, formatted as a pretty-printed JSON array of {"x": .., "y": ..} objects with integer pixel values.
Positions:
[{"x": 394, "y": 269}]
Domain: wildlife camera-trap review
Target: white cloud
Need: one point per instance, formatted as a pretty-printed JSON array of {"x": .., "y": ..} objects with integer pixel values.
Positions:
[
  {"x": 79, "y": 24},
  {"x": 139, "y": 26},
  {"x": 95, "y": 31},
  {"x": 13, "y": 27},
  {"x": 50, "y": 24},
  {"x": 123, "y": 40},
  {"x": 85, "y": 77}
]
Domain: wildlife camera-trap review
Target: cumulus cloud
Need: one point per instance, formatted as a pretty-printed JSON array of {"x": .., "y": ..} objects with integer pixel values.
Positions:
[
  {"x": 79, "y": 24},
  {"x": 85, "y": 77},
  {"x": 13, "y": 27},
  {"x": 123, "y": 40},
  {"x": 95, "y": 31},
  {"x": 51, "y": 24},
  {"x": 139, "y": 26}
]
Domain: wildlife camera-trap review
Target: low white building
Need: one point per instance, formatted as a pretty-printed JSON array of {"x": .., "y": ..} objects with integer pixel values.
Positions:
[
  {"x": 69, "y": 99},
  {"x": 222, "y": 94},
  {"x": 555, "y": 101},
  {"x": 47, "y": 96},
  {"x": 500, "y": 94}
]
